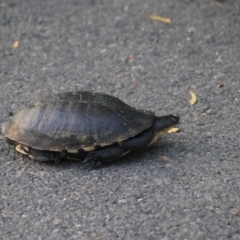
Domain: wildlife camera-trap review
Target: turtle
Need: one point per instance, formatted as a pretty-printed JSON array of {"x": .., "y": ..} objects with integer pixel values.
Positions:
[{"x": 83, "y": 125}]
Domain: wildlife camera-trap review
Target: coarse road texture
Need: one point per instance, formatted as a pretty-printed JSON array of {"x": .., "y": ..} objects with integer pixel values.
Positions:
[{"x": 185, "y": 187}]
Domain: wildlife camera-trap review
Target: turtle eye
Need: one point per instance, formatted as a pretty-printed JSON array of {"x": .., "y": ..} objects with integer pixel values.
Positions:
[{"x": 175, "y": 119}]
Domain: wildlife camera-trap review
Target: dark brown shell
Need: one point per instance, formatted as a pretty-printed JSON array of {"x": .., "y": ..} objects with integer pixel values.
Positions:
[{"x": 75, "y": 120}]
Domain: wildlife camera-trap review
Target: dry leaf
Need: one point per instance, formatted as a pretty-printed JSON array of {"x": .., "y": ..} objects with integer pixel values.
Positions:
[
  {"x": 234, "y": 212},
  {"x": 16, "y": 44},
  {"x": 193, "y": 98},
  {"x": 220, "y": 85},
  {"x": 130, "y": 58},
  {"x": 173, "y": 130},
  {"x": 165, "y": 158},
  {"x": 216, "y": 3},
  {"x": 158, "y": 18}
]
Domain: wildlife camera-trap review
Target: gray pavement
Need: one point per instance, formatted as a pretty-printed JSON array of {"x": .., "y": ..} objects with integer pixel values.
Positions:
[{"x": 109, "y": 46}]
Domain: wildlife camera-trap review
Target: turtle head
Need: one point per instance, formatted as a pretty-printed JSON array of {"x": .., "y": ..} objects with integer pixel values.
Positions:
[{"x": 163, "y": 123}]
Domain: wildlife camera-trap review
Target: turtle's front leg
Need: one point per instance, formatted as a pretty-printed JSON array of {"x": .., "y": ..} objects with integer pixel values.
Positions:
[
  {"x": 106, "y": 154},
  {"x": 139, "y": 141}
]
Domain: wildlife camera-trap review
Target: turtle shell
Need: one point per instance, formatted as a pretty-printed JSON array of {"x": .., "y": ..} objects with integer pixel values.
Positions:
[{"x": 77, "y": 120}]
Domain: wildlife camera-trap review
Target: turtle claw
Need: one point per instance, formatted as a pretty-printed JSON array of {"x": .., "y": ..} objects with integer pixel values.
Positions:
[
  {"x": 95, "y": 164},
  {"x": 93, "y": 159}
]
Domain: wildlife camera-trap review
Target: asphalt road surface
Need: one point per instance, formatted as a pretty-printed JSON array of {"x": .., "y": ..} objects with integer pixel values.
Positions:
[{"x": 187, "y": 186}]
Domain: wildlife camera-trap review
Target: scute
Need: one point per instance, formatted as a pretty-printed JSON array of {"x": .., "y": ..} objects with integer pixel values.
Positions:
[{"x": 75, "y": 120}]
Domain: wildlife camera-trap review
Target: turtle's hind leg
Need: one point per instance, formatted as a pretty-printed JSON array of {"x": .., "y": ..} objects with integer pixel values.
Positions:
[
  {"x": 43, "y": 156},
  {"x": 22, "y": 149}
]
